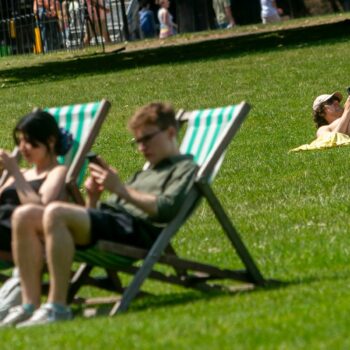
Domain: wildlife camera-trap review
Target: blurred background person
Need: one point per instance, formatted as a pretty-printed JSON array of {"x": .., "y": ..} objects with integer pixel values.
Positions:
[
  {"x": 223, "y": 13},
  {"x": 269, "y": 11},
  {"x": 147, "y": 22},
  {"x": 97, "y": 11},
  {"x": 167, "y": 27},
  {"x": 47, "y": 12}
]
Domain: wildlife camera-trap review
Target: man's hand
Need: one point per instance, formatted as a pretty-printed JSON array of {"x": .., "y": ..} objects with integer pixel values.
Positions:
[
  {"x": 93, "y": 188},
  {"x": 94, "y": 191},
  {"x": 106, "y": 178}
]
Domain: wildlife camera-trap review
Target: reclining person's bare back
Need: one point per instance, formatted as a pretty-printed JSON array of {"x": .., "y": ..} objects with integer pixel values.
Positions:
[{"x": 329, "y": 116}]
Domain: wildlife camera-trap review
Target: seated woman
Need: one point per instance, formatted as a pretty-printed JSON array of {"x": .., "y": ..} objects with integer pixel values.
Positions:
[
  {"x": 40, "y": 141},
  {"x": 330, "y": 116}
]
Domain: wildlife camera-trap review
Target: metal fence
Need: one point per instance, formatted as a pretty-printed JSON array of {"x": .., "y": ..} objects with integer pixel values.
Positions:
[{"x": 41, "y": 26}]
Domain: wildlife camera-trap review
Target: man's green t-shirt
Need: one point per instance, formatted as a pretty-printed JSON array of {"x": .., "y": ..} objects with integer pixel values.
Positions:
[{"x": 169, "y": 180}]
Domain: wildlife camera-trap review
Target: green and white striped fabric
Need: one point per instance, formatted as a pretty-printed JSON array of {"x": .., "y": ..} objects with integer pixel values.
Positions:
[
  {"x": 77, "y": 119},
  {"x": 107, "y": 260},
  {"x": 204, "y": 132}
]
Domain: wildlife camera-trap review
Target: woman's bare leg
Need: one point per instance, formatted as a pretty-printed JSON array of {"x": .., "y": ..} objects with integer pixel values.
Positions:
[
  {"x": 64, "y": 226},
  {"x": 27, "y": 248}
]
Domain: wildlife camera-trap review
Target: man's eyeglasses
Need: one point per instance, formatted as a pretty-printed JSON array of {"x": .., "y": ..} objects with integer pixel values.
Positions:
[{"x": 146, "y": 138}]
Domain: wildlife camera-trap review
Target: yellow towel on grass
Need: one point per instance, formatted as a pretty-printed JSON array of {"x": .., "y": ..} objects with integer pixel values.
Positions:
[{"x": 326, "y": 140}]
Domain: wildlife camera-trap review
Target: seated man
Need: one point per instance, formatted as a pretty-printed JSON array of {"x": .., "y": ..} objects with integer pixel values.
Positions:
[
  {"x": 330, "y": 116},
  {"x": 135, "y": 214}
]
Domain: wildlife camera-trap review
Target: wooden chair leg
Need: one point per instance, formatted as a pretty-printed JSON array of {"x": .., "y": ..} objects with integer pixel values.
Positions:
[{"x": 78, "y": 280}]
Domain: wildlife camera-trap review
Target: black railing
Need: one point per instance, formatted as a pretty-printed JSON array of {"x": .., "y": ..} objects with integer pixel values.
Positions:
[{"x": 41, "y": 26}]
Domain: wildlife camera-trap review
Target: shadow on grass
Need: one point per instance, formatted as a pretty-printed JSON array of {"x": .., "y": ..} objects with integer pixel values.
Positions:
[
  {"x": 207, "y": 49},
  {"x": 192, "y": 296},
  {"x": 150, "y": 301},
  {"x": 334, "y": 276},
  {"x": 189, "y": 297}
]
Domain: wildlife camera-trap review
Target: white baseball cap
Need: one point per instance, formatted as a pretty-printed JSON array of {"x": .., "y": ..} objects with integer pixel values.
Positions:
[{"x": 323, "y": 98}]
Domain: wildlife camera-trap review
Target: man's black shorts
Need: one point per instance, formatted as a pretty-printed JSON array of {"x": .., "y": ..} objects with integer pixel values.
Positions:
[{"x": 120, "y": 227}]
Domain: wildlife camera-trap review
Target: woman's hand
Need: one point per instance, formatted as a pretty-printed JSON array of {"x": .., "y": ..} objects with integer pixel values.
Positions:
[{"x": 8, "y": 161}]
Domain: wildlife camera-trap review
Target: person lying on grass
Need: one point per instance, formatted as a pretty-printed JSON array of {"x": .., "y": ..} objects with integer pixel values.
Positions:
[
  {"x": 330, "y": 116},
  {"x": 135, "y": 214}
]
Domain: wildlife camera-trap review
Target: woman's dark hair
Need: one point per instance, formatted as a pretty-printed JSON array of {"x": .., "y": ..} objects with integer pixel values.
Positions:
[
  {"x": 39, "y": 127},
  {"x": 319, "y": 116}
]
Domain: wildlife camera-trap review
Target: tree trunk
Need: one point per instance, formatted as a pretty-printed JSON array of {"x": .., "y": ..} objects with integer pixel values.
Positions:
[
  {"x": 298, "y": 8},
  {"x": 336, "y": 7},
  {"x": 192, "y": 15}
]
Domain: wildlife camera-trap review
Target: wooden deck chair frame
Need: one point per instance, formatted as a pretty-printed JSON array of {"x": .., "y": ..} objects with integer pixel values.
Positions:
[
  {"x": 162, "y": 251},
  {"x": 96, "y": 112},
  {"x": 79, "y": 160}
]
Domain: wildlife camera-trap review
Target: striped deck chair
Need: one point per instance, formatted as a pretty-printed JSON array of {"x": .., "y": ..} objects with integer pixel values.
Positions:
[
  {"x": 208, "y": 135},
  {"x": 83, "y": 121}
]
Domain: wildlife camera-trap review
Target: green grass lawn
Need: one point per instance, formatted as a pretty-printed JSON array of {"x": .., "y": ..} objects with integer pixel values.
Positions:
[{"x": 292, "y": 210}]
